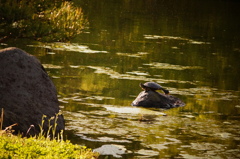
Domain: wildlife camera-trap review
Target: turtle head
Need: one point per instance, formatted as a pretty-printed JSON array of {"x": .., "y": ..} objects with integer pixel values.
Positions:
[
  {"x": 144, "y": 87},
  {"x": 141, "y": 85}
]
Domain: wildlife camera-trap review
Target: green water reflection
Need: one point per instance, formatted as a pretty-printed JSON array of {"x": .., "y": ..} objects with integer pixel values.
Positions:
[{"x": 190, "y": 47}]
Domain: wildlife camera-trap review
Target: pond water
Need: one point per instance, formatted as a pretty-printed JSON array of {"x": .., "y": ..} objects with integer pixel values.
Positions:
[{"x": 191, "y": 48}]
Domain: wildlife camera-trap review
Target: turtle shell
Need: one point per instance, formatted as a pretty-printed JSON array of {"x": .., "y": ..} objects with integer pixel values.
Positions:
[{"x": 151, "y": 85}]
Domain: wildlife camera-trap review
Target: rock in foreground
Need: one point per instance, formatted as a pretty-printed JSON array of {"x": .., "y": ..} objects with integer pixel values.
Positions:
[{"x": 26, "y": 92}]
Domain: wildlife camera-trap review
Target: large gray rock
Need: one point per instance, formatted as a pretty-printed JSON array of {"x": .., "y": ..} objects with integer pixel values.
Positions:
[
  {"x": 26, "y": 92},
  {"x": 153, "y": 99}
]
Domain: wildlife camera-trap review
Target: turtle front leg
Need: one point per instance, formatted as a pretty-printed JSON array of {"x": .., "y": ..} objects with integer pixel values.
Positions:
[{"x": 165, "y": 91}]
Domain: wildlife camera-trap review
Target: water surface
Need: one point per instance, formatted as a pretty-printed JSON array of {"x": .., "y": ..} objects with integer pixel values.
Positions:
[{"x": 191, "y": 48}]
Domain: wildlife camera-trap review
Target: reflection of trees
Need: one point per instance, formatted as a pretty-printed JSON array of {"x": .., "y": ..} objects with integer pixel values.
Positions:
[
  {"x": 202, "y": 20},
  {"x": 202, "y": 33},
  {"x": 47, "y": 20}
]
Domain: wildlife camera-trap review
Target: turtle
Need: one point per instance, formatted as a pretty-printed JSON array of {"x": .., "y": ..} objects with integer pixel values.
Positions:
[{"x": 152, "y": 86}]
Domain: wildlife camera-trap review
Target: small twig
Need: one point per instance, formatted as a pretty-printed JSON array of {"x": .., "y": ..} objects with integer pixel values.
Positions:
[
  {"x": 31, "y": 126},
  {"x": 10, "y": 127},
  {"x": 1, "y": 120}
]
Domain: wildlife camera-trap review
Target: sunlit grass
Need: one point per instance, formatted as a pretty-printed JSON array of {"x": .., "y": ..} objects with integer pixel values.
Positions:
[
  {"x": 34, "y": 147},
  {"x": 45, "y": 145}
]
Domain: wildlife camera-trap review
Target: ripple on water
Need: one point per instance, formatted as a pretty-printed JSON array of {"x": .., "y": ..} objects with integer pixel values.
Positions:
[
  {"x": 51, "y": 66},
  {"x": 158, "y": 65},
  {"x": 134, "y": 75},
  {"x": 137, "y": 55},
  {"x": 190, "y": 41},
  {"x": 133, "y": 110},
  {"x": 68, "y": 47},
  {"x": 147, "y": 153},
  {"x": 188, "y": 136}
]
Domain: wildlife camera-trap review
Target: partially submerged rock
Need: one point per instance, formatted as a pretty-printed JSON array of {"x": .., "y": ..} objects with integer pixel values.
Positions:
[
  {"x": 153, "y": 99},
  {"x": 26, "y": 92}
]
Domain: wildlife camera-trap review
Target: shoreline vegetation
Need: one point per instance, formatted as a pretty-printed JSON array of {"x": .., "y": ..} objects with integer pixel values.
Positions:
[
  {"x": 41, "y": 146},
  {"x": 48, "y": 20}
]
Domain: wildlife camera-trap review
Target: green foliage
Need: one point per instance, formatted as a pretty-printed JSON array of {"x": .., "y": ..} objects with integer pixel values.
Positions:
[
  {"x": 44, "y": 20},
  {"x": 17, "y": 147},
  {"x": 41, "y": 146}
]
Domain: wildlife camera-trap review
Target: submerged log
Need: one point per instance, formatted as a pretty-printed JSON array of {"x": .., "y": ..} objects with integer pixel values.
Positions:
[{"x": 26, "y": 93}]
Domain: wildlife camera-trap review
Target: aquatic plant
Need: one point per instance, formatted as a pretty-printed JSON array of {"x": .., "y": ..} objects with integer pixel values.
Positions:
[{"x": 41, "y": 20}]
